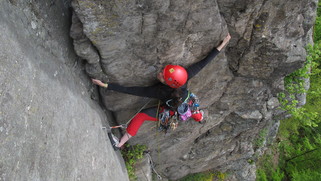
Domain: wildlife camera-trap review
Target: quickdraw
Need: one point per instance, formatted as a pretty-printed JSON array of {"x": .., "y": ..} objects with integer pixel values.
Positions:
[
  {"x": 124, "y": 126},
  {"x": 167, "y": 121},
  {"x": 173, "y": 124}
]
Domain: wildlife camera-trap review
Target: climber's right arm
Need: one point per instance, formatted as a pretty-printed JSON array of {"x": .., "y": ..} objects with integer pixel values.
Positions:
[
  {"x": 99, "y": 82},
  {"x": 151, "y": 91}
]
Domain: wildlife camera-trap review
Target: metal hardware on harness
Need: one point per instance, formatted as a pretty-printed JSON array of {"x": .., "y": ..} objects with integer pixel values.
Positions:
[
  {"x": 167, "y": 122},
  {"x": 124, "y": 126},
  {"x": 174, "y": 124}
]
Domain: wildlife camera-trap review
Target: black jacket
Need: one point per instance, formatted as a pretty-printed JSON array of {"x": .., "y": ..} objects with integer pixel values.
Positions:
[{"x": 161, "y": 91}]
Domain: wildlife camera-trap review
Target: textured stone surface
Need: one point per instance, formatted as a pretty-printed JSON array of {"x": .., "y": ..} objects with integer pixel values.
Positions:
[
  {"x": 50, "y": 129},
  {"x": 135, "y": 39},
  {"x": 143, "y": 169}
]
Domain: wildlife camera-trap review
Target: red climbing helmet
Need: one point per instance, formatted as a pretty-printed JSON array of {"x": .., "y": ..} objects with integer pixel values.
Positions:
[{"x": 175, "y": 76}]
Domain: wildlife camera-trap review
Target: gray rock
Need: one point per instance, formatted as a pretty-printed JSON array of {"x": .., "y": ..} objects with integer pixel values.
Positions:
[
  {"x": 50, "y": 129},
  {"x": 143, "y": 170},
  {"x": 135, "y": 39},
  {"x": 251, "y": 115},
  {"x": 273, "y": 103}
]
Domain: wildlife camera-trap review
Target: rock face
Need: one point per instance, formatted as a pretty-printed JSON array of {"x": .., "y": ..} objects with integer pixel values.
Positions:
[
  {"x": 128, "y": 42},
  {"x": 50, "y": 129}
]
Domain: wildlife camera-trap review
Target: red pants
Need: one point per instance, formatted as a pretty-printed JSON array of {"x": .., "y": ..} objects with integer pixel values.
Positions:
[
  {"x": 148, "y": 114},
  {"x": 137, "y": 121}
]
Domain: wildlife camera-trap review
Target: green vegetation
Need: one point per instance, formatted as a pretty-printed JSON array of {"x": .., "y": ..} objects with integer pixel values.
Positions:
[
  {"x": 259, "y": 141},
  {"x": 296, "y": 155},
  {"x": 294, "y": 84},
  {"x": 268, "y": 166},
  {"x": 317, "y": 27},
  {"x": 131, "y": 155}
]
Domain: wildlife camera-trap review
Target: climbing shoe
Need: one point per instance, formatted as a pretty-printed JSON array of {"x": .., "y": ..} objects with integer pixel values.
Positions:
[{"x": 114, "y": 141}]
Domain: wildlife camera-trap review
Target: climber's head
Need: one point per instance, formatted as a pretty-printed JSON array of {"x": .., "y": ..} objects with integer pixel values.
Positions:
[{"x": 174, "y": 76}]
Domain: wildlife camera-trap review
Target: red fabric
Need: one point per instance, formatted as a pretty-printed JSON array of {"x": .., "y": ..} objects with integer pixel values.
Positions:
[
  {"x": 136, "y": 123},
  {"x": 197, "y": 117}
]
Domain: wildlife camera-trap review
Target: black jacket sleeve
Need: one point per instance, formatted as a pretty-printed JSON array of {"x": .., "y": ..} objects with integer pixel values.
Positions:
[
  {"x": 198, "y": 66},
  {"x": 151, "y": 91}
]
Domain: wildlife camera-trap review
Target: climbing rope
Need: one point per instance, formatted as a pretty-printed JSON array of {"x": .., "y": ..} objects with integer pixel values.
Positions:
[
  {"x": 152, "y": 166},
  {"x": 124, "y": 126},
  {"x": 158, "y": 123},
  {"x": 157, "y": 138}
]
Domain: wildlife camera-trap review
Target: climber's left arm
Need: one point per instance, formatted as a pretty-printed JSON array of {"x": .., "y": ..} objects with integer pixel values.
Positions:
[{"x": 195, "y": 68}]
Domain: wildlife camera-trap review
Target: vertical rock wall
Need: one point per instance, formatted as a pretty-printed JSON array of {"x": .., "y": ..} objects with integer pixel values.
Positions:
[
  {"x": 127, "y": 42},
  {"x": 50, "y": 129}
]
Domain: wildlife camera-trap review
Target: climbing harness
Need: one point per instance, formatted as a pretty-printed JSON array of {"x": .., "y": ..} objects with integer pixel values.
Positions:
[{"x": 168, "y": 119}]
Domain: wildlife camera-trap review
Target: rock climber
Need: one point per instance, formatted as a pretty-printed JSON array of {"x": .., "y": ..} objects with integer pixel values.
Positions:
[{"x": 171, "y": 91}]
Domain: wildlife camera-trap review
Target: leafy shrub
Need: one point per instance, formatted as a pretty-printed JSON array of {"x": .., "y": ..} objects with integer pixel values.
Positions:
[
  {"x": 259, "y": 141},
  {"x": 131, "y": 155},
  {"x": 277, "y": 175},
  {"x": 306, "y": 176},
  {"x": 260, "y": 175},
  {"x": 317, "y": 26},
  {"x": 294, "y": 84},
  {"x": 299, "y": 138}
]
